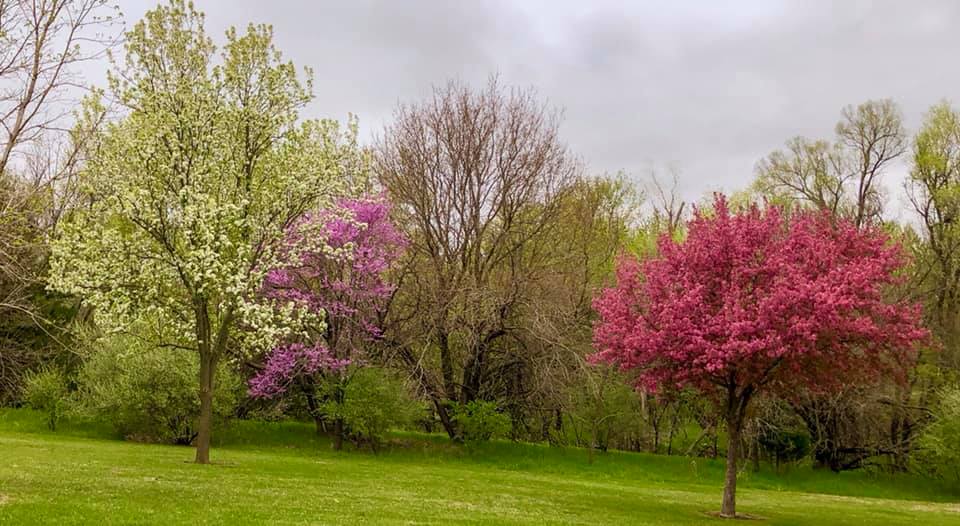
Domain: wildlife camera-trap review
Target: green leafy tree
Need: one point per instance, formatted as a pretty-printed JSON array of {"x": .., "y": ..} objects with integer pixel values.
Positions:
[
  {"x": 188, "y": 194},
  {"x": 934, "y": 189},
  {"x": 843, "y": 177},
  {"x": 941, "y": 440}
]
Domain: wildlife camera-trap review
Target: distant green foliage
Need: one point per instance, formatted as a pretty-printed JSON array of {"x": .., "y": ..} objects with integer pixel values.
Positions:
[
  {"x": 604, "y": 410},
  {"x": 46, "y": 390},
  {"x": 481, "y": 421},
  {"x": 785, "y": 445},
  {"x": 941, "y": 440},
  {"x": 149, "y": 394},
  {"x": 372, "y": 402}
]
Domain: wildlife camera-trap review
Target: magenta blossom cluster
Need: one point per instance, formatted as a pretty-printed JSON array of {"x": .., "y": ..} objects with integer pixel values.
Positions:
[
  {"x": 290, "y": 361},
  {"x": 344, "y": 278},
  {"x": 761, "y": 298}
]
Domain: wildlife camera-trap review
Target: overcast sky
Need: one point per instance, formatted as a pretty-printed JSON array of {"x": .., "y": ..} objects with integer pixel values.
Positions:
[{"x": 707, "y": 86}]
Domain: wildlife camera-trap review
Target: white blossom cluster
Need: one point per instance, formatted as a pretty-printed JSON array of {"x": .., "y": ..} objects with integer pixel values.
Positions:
[{"x": 189, "y": 195}]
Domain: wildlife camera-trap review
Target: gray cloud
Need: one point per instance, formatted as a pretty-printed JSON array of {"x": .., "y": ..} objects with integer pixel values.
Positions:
[{"x": 710, "y": 86}]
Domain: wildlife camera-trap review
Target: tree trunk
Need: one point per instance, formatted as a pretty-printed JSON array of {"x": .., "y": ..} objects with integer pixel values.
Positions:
[
  {"x": 729, "y": 507},
  {"x": 338, "y": 434},
  {"x": 314, "y": 409},
  {"x": 445, "y": 420},
  {"x": 736, "y": 413},
  {"x": 473, "y": 375},
  {"x": 339, "y": 398},
  {"x": 446, "y": 367},
  {"x": 205, "y": 424}
]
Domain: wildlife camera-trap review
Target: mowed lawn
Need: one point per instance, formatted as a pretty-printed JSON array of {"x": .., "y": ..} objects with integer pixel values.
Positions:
[{"x": 283, "y": 474}]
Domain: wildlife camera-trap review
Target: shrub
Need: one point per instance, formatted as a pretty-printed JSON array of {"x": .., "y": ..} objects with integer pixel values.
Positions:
[
  {"x": 941, "y": 439},
  {"x": 480, "y": 421},
  {"x": 46, "y": 390},
  {"x": 149, "y": 394},
  {"x": 604, "y": 411},
  {"x": 373, "y": 401}
]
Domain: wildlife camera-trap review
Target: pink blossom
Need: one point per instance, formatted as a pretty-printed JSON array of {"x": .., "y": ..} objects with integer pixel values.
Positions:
[
  {"x": 349, "y": 287},
  {"x": 761, "y": 300}
]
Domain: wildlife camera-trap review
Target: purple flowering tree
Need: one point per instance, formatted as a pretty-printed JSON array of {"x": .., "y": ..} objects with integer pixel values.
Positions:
[{"x": 343, "y": 278}]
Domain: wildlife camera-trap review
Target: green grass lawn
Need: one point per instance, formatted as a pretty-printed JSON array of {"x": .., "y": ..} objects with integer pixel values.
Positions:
[{"x": 284, "y": 474}]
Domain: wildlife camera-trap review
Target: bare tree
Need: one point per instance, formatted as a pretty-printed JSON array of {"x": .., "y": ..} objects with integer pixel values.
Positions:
[
  {"x": 41, "y": 43},
  {"x": 41, "y": 148},
  {"x": 479, "y": 177},
  {"x": 842, "y": 178},
  {"x": 668, "y": 206}
]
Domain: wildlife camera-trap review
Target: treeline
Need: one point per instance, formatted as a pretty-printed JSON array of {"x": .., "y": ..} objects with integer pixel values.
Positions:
[{"x": 188, "y": 221}]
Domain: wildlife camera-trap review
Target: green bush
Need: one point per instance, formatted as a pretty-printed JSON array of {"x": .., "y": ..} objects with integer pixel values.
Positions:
[
  {"x": 149, "y": 394},
  {"x": 480, "y": 421},
  {"x": 940, "y": 442},
  {"x": 46, "y": 390},
  {"x": 372, "y": 401},
  {"x": 603, "y": 411}
]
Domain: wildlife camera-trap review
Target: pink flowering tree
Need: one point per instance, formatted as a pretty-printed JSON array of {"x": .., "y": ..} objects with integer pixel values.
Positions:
[
  {"x": 759, "y": 301},
  {"x": 343, "y": 278}
]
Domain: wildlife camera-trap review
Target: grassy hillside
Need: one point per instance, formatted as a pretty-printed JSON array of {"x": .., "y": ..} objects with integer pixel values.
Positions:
[{"x": 284, "y": 474}]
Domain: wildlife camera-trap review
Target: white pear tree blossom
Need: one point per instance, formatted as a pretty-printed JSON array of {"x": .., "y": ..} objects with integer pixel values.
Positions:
[{"x": 189, "y": 192}]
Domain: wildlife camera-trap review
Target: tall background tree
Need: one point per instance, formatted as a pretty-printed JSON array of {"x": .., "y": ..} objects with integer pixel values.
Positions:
[
  {"x": 478, "y": 179},
  {"x": 843, "y": 177},
  {"x": 189, "y": 194},
  {"x": 934, "y": 190},
  {"x": 42, "y": 145}
]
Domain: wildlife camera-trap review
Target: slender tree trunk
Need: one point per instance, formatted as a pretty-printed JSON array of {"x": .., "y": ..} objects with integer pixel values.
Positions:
[
  {"x": 205, "y": 425},
  {"x": 445, "y": 420},
  {"x": 446, "y": 366},
  {"x": 339, "y": 398},
  {"x": 736, "y": 413},
  {"x": 338, "y": 434},
  {"x": 313, "y": 407},
  {"x": 673, "y": 429},
  {"x": 729, "y": 507}
]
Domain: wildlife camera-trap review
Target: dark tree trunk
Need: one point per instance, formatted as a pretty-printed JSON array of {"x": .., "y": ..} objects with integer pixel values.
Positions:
[
  {"x": 319, "y": 423},
  {"x": 339, "y": 398},
  {"x": 735, "y": 412},
  {"x": 205, "y": 424},
  {"x": 314, "y": 408},
  {"x": 337, "y": 434},
  {"x": 437, "y": 394},
  {"x": 445, "y": 420},
  {"x": 729, "y": 506},
  {"x": 674, "y": 422},
  {"x": 446, "y": 366},
  {"x": 473, "y": 375},
  {"x": 210, "y": 348}
]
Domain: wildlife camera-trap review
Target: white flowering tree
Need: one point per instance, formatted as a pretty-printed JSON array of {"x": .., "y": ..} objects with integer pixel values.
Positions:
[{"x": 188, "y": 194}]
